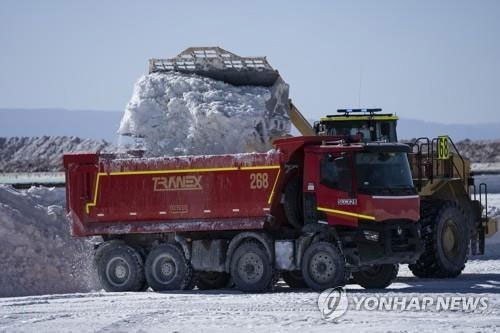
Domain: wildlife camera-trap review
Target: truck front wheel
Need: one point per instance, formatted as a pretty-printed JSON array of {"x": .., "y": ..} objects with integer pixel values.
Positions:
[
  {"x": 323, "y": 266},
  {"x": 251, "y": 268},
  {"x": 168, "y": 269},
  {"x": 119, "y": 267},
  {"x": 377, "y": 276}
]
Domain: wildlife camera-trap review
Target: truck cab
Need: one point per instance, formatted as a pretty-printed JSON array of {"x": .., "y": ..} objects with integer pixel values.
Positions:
[{"x": 361, "y": 193}]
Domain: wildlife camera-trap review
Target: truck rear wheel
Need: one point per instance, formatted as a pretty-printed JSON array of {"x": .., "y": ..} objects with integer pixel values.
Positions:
[
  {"x": 120, "y": 267},
  {"x": 446, "y": 240},
  {"x": 168, "y": 269},
  {"x": 294, "y": 279},
  {"x": 212, "y": 280},
  {"x": 323, "y": 266},
  {"x": 377, "y": 276},
  {"x": 251, "y": 268}
]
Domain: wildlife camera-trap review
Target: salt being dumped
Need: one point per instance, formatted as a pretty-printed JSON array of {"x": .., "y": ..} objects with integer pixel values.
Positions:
[
  {"x": 180, "y": 114},
  {"x": 37, "y": 253}
]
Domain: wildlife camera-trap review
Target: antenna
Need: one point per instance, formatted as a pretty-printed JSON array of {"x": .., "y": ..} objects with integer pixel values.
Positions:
[{"x": 360, "y": 81}]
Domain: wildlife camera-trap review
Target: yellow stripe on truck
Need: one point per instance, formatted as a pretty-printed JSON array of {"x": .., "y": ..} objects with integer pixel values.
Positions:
[
  {"x": 262, "y": 167},
  {"x": 155, "y": 172},
  {"x": 96, "y": 188},
  {"x": 274, "y": 185},
  {"x": 346, "y": 213}
]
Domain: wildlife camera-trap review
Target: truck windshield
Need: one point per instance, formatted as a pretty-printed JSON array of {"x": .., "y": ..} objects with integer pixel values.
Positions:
[
  {"x": 383, "y": 173},
  {"x": 369, "y": 131},
  {"x": 351, "y": 128}
]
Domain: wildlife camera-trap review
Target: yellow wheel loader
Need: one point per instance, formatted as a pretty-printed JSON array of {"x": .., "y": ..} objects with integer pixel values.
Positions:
[{"x": 453, "y": 215}]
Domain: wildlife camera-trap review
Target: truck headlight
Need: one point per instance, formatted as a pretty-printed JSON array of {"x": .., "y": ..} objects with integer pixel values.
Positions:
[{"x": 371, "y": 235}]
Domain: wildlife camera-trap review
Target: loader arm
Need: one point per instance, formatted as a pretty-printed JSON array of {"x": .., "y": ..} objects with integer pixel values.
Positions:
[{"x": 299, "y": 121}]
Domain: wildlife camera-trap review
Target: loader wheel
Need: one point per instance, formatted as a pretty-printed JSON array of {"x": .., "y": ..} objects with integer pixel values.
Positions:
[
  {"x": 377, "y": 276},
  {"x": 446, "y": 239},
  {"x": 212, "y": 280},
  {"x": 294, "y": 279},
  {"x": 168, "y": 269},
  {"x": 120, "y": 267},
  {"x": 323, "y": 266},
  {"x": 251, "y": 268},
  {"x": 293, "y": 202}
]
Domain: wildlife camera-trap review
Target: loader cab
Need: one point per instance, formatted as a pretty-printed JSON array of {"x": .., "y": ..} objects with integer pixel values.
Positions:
[{"x": 369, "y": 124}]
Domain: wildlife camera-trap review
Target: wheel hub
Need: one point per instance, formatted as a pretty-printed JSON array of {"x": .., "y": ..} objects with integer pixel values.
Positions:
[
  {"x": 450, "y": 240},
  {"x": 164, "y": 269},
  {"x": 117, "y": 271},
  {"x": 322, "y": 267},
  {"x": 251, "y": 268},
  {"x": 167, "y": 268},
  {"x": 120, "y": 271}
]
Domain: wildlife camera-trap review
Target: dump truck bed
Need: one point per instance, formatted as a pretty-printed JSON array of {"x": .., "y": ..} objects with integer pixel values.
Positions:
[{"x": 110, "y": 195}]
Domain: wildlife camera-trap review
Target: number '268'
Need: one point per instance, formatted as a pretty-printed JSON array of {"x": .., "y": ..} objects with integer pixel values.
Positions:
[{"x": 259, "y": 181}]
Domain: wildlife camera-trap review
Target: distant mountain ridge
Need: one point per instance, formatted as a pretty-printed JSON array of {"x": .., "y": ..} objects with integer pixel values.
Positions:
[
  {"x": 412, "y": 128},
  {"x": 43, "y": 154},
  {"x": 98, "y": 125},
  {"x": 92, "y": 124}
]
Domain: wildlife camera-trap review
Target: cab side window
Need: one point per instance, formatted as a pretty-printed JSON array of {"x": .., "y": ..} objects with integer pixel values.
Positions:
[{"x": 336, "y": 172}]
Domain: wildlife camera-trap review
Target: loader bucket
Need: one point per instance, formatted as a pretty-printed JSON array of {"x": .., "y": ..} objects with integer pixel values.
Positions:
[{"x": 219, "y": 64}]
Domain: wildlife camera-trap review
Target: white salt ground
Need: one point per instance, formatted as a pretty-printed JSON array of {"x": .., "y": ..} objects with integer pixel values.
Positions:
[{"x": 47, "y": 261}]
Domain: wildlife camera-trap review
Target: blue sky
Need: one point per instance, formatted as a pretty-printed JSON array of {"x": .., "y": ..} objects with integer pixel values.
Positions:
[{"x": 432, "y": 60}]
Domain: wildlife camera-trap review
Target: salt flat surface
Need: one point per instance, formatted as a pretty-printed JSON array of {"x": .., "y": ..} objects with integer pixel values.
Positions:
[{"x": 229, "y": 310}]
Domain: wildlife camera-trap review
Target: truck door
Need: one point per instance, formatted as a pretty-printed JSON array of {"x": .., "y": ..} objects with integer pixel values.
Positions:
[{"x": 336, "y": 195}]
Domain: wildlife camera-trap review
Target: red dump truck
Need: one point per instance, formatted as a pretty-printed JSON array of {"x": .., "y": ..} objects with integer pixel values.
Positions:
[{"x": 316, "y": 210}]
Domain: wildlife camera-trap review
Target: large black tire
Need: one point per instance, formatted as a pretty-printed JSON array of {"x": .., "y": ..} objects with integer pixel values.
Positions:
[
  {"x": 119, "y": 267},
  {"x": 212, "y": 280},
  {"x": 323, "y": 266},
  {"x": 293, "y": 201},
  {"x": 168, "y": 269},
  {"x": 446, "y": 240},
  {"x": 377, "y": 276},
  {"x": 251, "y": 268},
  {"x": 143, "y": 254},
  {"x": 294, "y": 279}
]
